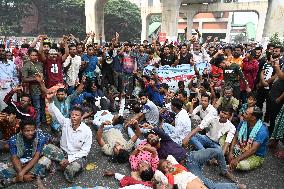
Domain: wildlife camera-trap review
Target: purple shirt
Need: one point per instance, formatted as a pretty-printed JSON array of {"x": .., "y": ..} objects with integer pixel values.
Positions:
[{"x": 169, "y": 147}]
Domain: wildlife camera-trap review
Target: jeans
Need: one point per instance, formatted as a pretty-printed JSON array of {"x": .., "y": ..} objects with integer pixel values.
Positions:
[
  {"x": 108, "y": 127},
  {"x": 118, "y": 79},
  {"x": 196, "y": 160},
  {"x": 203, "y": 141},
  {"x": 169, "y": 129},
  {"x": 39, "y": 106}
]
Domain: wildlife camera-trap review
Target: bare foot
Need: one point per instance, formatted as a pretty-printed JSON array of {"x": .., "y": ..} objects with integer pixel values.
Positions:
[
  {"x": 40, "y": 185},
  {"x": 242, "y": 186},
  {"x": 231, "y": 177}
]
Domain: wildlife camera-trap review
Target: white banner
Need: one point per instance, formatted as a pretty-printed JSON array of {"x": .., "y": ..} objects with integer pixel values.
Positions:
[{"x": 172, "y": 75}]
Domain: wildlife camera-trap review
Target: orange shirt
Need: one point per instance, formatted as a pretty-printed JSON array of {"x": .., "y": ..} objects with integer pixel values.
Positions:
[{"x": 238, "y": 61}]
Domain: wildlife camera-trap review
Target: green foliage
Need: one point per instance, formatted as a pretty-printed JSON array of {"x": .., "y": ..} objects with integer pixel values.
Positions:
[
  {"x": 61, "y": 17},
  {"x": 275, "y": 39},
  {"x": 155, "y": 18},
  {"x": 56, "y": 17},
  {"x": 123, "y": 17},
  {"x": 11, "y": 13}
]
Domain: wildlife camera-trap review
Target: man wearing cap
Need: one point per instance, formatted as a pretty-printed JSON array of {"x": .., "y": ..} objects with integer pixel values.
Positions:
[{"x": 53, "y": 64}]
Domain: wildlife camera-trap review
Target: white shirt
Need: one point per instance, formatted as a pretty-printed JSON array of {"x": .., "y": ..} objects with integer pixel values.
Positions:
[
  {"x": 217, "y": 129},
  {"x": 99, "y": 118},
  {"x": 8, "y": 74},
  {"x": 182, "y": 126},
  {"x": 209, "y": 111},
  {"x": 76, "y": 143},
  {"x": 181, "y": 179},
  {"x": 72, "y": 73}
]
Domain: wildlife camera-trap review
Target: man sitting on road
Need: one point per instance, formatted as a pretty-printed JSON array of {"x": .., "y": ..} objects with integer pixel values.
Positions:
[
  {"x": 26, "y": 149},
  {"x": 218, "y": 127},
  {"x": 249, "y": 144},
  {"x": 75, "y": 143}
]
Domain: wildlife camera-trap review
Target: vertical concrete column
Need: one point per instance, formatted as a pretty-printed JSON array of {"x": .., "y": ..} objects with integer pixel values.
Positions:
[
  {"x": 229, "y": 27},
  {"x": 90, "y": 15},
  {"x": 145, "y": 24},
  {"x": 170, "y": 15},
  {"x": 260, "y": 25},
  {"x": 94, "y": 11},
  {"x": 99, "y": 18},
  {"x": 145, "y": 28},
  {"x": 190, "y": 13},
  {"x": 274, "y": 20}
]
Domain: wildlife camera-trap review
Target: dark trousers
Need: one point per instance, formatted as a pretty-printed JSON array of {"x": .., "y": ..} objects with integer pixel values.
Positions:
[
  {"x": 262, "y": 96},
  {"x": 274, "y": 110},
  {"x": 237, "y": 92}
]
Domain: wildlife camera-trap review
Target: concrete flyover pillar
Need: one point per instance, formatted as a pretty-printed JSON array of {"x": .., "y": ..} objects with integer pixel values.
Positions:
[
  {"x": 170, "y": 15},
  {"x": 190, "y": 15},
  {"x": 274, "y": 19},
  {"x": 145, "y": 25},
  {"x": 229, "y": 27},
  {"x": 260, "y": 25},
  {"x": 94, "y": 11}
]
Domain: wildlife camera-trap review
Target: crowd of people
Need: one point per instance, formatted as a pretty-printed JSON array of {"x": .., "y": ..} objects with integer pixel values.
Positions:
[{"x": 53, "y": 97}]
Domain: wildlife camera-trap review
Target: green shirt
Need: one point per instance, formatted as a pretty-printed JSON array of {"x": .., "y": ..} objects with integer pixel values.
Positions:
[
  {"x": 233, "y": 74},
  {"x": 30, "y": 70}
]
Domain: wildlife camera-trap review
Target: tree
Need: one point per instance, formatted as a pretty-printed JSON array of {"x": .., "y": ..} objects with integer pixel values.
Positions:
[
  {"x": 240, "y": 38},
  {"x": 11, "y": 13},
  {"x": 274, "y": 39},
  {"x": 123, "y": 17},
  {"x": 55, "y": 17},
  {"x": 155, "y": 18},
  {"x": 59, "y": 17}
]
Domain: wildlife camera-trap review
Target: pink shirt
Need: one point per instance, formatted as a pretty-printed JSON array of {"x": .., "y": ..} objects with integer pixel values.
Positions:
[{"x": 143, "y": 156}]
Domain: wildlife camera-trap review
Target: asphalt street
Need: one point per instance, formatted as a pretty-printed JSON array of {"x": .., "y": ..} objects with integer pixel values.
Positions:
[{"x": 269, "y": 176}]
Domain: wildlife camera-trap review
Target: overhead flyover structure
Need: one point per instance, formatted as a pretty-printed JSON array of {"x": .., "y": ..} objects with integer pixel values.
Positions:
[
  {"x": 270, "y": 14},
  {"x": 94, "y": 12},
  {"x": 260, "y": 7}
]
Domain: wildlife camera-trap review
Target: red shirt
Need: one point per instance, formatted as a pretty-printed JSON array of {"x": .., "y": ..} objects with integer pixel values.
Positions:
[
  {"x": 8, "y": 100},
  {"x": 53, "y": 70},
  {"x": 250, "y": 70},
  {"x": 217, "y": 72}
]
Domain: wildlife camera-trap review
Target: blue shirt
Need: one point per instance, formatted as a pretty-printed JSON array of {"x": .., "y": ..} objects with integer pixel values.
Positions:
[
  {"x": 92, "y": 62},
  {"x": 155, "y": 96},
  {"x": 261, "y": 138},
  {"x": 82, "y": 96},
  {"x": 141, "y": 59},
  {"x": 42, "y": 139}
]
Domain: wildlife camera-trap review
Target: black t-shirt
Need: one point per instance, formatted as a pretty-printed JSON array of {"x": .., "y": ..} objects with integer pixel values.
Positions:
[
  {"x": 277, "y": 88},
  {"x": 167, "y": 60},
  {"x": 185, "y": 59}
]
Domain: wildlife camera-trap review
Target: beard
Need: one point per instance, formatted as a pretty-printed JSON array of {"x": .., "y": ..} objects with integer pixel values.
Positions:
[{"x": 155, "y": 142}]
